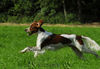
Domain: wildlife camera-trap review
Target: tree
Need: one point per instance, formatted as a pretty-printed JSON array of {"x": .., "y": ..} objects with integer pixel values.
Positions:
[
  {"x": 64, "y": 7},
  {"x": 79, "y": 9}
]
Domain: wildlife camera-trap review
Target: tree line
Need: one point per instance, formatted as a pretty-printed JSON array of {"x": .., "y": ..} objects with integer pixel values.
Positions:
[{"x": 51, "y": 11}]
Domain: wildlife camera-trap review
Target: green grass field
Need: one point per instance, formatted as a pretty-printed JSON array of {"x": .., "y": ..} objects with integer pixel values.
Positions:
[{"x": 13, "y": 39}]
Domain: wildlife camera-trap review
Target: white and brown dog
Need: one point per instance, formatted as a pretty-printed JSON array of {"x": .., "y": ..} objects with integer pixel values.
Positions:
[{"x": 50, "y": 41}]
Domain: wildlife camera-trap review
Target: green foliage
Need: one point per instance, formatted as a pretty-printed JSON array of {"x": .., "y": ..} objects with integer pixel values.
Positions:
[
  {"x": 71, "y": 18},
  {"x": 49, "y": 11},
  {"x": 22, "y": 7},
  {"x": 57, "y": 18},
  {"x": 16, "y": 19},
  {"x": 13, "y": 39},
  {"x": 3, "y": 17}
]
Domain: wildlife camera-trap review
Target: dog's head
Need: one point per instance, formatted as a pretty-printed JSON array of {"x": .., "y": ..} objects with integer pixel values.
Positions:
[{"x": 34, "y": 27}]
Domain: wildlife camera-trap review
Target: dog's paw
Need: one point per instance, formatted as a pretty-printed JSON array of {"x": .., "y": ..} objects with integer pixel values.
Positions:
[
  {"x": 25, "y": 50},
  {"x": 22, "y": 51}
]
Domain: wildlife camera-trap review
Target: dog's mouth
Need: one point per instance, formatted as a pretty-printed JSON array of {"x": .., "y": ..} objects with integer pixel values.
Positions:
[{"x": 29, "y": 33}]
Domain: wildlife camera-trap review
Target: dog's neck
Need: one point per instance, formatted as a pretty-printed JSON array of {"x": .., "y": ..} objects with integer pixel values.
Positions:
[{"x": 42, "y": 32}]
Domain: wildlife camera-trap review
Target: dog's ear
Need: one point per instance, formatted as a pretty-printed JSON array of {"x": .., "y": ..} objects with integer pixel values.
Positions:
[{"x": 40, "y": 22}]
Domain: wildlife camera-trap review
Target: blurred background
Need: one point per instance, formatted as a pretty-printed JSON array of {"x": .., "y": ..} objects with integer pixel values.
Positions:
[{"x": 51, "y": 11}]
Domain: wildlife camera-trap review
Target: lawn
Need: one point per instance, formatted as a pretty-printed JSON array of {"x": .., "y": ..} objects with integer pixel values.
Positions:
[{"x": 13, "y": 39}]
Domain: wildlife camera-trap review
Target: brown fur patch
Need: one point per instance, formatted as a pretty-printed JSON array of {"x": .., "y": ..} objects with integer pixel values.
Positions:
[
  {"x": 55, "y": 39},
  {"x": 35, "y": 26},
  {"x": 79, "y": 38}
]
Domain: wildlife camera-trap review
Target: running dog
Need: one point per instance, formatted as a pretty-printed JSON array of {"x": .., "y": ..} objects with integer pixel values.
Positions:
[{"x": 49, "y": 41}]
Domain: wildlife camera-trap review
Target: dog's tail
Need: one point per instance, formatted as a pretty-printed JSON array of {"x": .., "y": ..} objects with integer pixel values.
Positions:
[{"x": 91, "y": 43}]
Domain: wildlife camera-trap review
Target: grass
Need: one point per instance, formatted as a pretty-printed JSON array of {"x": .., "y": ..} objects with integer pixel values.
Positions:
[{"x": 13, "y": 39}]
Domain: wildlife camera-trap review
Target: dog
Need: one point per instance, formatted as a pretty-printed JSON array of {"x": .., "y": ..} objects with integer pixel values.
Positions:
[{"x": 49, "y": 41}]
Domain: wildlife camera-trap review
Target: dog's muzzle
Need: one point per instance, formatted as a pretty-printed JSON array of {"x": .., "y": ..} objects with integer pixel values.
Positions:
[{"x": 27, "y": 30}]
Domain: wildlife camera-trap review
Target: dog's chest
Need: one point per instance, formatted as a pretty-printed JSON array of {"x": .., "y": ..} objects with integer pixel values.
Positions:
[{"x": 41, "y": 37}]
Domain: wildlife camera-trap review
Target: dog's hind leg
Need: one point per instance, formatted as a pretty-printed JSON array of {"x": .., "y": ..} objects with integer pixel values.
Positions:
[
  {"x": 78, "y": 53},
  {"x": 87, "y": 50}
]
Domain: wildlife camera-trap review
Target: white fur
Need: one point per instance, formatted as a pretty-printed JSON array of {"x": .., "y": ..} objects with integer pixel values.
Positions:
[
  {"x": 72, "y": 37},
  {"x": 41, "y": 37},
  {"x": 91, "y": 43}
]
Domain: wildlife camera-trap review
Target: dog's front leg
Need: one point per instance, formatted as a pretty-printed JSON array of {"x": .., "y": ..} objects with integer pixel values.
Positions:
[
  {"x": 36, "y": 50},
  {"x": 26, "y": 49},
  {"x": 36, "y": 53},
  {"x": 30, "y": 49}
]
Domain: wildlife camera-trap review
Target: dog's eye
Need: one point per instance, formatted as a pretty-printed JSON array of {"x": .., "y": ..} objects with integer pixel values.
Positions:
[{"x": 36, "y": 24}]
